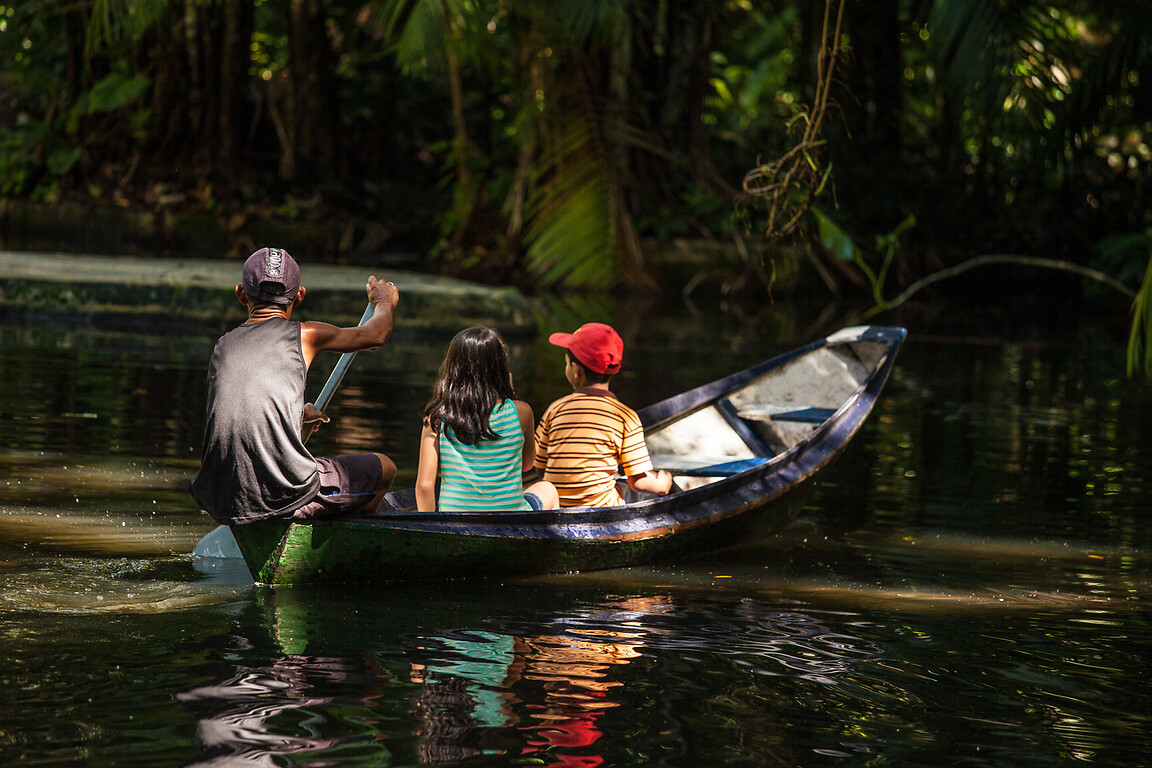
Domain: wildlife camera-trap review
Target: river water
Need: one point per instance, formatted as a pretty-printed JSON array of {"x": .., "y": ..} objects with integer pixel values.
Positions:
[{"x": 971, "y": 588}]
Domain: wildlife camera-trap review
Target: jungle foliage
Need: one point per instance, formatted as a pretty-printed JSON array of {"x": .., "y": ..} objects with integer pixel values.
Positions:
[{"x": 550, "y": 143}]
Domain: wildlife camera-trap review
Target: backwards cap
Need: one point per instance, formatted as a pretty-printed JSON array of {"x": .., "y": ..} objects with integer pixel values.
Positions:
[
  {"x": 271, "y": 274},
  {"x": 596, "y": 345}
]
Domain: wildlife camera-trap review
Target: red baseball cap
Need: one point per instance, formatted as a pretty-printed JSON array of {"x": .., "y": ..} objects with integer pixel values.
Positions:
[{"x": 596, "y": 345}]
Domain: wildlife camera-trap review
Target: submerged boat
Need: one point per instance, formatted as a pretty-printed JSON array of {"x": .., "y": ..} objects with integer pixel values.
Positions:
[{"x": 745, "y": 452}]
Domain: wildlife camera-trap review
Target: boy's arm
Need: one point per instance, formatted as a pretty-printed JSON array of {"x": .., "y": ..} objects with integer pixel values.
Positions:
[
  {"x": 426, "y": 470},
  {"x": 316, "y": 336},
  {"x": 635, "y": 459},
  {"x": 658, "y": 482}
]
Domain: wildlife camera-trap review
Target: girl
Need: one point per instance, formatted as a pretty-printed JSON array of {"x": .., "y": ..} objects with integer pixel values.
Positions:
[{"x": 476, "y": 436}]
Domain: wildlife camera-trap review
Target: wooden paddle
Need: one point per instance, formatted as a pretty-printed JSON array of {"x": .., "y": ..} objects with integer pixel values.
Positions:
[
  {"x": 220, "y": 542},
  {"x": 336, "y": 376}
]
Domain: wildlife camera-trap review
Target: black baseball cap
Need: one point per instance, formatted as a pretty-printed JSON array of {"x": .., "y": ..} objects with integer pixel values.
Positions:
[{"x": 271, "y": 274}]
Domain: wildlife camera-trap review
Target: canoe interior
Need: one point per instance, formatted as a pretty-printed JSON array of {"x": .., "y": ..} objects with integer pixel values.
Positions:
[{"x": 770, "y": 414}]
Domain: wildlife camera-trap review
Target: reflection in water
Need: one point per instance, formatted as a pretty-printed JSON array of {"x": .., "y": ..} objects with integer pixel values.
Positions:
[
  {"x": 552, "y": 686},
  {"x": 535, "y": 691},
  {"x": 279, "y": 711},
  {"x": 465, "y": 685}
]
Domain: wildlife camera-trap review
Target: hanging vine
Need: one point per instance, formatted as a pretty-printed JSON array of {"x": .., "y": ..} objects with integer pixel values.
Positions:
[{"x": 790, "y": 184}]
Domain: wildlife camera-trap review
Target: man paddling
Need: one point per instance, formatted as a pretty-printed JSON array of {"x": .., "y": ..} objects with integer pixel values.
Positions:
[{"x": 254, "y": 465}]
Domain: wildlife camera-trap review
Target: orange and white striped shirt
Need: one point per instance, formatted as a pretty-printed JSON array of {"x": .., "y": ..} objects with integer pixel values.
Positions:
[{"x": 581, "y": 442}]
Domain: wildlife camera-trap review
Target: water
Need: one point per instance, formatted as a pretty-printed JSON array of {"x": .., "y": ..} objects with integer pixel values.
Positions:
[{"x": 972, "y": 589}]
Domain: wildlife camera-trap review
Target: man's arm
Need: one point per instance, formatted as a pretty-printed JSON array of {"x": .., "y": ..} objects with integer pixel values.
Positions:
[
  {"x": 313, "y": 418},
  {"x": 316, "y": 336}
]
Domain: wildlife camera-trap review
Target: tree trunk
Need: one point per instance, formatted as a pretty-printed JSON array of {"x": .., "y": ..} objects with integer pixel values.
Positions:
[
  {"x": 75, "y": 22},
  {"x": 465, "y": 191},
  {"x": 235, "y": 111},
  {"x": 701, "y": 167},
  {"x": 525, "y": 156},
  {"x": 863, "y": 126},
  {"x": 622, "y": 201},
  {"x": 314, "y": 120}
]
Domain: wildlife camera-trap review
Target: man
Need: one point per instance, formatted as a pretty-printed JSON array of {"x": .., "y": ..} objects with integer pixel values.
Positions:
[{"x": 254, "y": 465}]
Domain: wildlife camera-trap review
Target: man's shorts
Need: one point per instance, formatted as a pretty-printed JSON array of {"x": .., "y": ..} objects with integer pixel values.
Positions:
[{"x": 347, "y": 483}]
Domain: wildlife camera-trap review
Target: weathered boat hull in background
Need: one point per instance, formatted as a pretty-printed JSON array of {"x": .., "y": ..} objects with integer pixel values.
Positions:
[{"x": 746, "y": 467}]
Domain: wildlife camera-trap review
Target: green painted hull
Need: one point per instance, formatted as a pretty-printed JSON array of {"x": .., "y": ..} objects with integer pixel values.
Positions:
[{"x": 366, "y": 549}]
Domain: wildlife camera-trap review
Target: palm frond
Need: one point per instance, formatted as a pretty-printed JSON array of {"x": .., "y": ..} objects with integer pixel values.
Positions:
[
  {"x": 570, "y": 236},
  {"x": 996, "y": 53},
  {"x": 574, "y": 23},
  {"x": 420, "y": 30},
  {"x": 114, "y": 20},
  {"x": 1125, "y": 48},
  {"x": 1140, "y": 335}
]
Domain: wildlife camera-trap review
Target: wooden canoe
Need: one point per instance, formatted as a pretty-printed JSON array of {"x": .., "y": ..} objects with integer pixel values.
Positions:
[{"x": 745, "y": 450}]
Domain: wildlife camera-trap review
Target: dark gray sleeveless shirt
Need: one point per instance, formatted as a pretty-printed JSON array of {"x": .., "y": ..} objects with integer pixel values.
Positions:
[{"x": 254, "y": 464}]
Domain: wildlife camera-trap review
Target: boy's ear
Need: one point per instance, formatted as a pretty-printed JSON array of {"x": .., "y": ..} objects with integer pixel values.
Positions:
[
  {"x": 241, "y": 296},
  {"x": 579, "y": 378},
  {"x": 299, "y": 296}
]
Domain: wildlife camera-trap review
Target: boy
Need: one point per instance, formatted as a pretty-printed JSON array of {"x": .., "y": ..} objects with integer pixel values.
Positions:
[
  {"x": 584, "y": 438},
  {"x": 254, "y": 465}
]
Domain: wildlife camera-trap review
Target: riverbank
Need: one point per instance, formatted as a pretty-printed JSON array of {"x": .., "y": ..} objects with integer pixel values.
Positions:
[
  {"x": 686, "y": 266},
  {"x": 201, "y": 291}
]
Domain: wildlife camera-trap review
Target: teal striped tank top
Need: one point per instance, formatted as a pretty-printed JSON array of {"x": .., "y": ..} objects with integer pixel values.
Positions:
[{"x": 484, "y": 477}]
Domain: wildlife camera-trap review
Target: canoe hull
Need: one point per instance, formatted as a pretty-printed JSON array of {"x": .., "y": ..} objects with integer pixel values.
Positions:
[
  {"x": 342, "y": 550},
  {"x": 758, "y": 497}
]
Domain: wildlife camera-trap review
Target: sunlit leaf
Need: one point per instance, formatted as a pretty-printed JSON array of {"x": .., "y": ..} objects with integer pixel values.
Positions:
[
  {"x": 1140, "y": 334},
  {"x": 571, "y": 235},
  {"x": 113, "y": 20},
  {"x": 838, "y": 242},
  {"x": 116, "y": 90}
]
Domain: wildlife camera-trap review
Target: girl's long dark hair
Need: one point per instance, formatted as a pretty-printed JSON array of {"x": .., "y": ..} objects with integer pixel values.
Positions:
[{"x": 474, "y": 378}]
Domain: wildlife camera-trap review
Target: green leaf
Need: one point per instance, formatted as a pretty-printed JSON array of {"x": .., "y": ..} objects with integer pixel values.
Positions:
[
  {"x": 114, "y": 91},
  {"x": 62, "y": 160},
  {"x": 838, "y": 242},
  {"x": 1140, "y": 334}
]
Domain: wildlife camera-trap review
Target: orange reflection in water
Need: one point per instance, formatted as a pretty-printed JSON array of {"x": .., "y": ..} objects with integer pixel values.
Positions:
[{"x": 575, "y": 669}]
